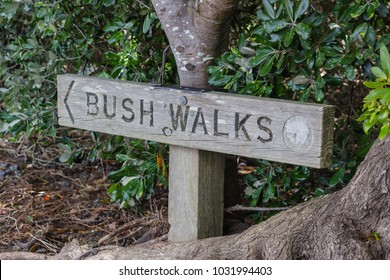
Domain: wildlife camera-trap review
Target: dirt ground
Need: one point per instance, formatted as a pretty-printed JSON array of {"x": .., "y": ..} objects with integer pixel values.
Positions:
[{"x": 45, "y": 204}]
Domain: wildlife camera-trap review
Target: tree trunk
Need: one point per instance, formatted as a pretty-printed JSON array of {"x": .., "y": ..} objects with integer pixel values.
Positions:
[
  {"x": 197, "y": 32},
  {"x": 337, "y": 226}
]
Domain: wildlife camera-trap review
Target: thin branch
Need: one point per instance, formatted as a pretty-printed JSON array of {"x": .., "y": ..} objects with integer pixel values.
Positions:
[
  {"x": 49, "y": 246},
  {"x": 255, "y": 209},
  {"x": 118, "y": 231}
]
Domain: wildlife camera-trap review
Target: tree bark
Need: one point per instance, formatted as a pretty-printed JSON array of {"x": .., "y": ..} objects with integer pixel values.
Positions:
[
  {"x": 197, "y": 31},
  {"x": 337, "y": 226}
]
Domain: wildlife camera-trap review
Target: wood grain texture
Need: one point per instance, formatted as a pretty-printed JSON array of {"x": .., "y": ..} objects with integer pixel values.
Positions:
[
  {"x": 276, "y": 130},
  {"x": 196, "y": 180}
]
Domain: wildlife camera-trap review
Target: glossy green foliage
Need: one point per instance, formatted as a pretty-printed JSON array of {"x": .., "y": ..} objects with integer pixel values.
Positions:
[
  {"x": 376, "y": 108},
  {"x": 294, "y": 51},
  {"x": 317, "y": 52},
  {"x": 42, "y": 39},
  {"x": 268, "y": 180},
  {"x": 143, "y": 166}
]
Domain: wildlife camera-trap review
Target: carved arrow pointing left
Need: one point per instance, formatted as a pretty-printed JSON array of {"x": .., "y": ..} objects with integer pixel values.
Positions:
[{"x": 66, "y": 101}]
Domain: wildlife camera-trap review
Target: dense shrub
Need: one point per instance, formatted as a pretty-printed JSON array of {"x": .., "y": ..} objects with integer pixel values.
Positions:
[
  {"x": 308, "y": 51},
  {"x": 298, "y": 50},
  {"x": 41, "y": 39}
]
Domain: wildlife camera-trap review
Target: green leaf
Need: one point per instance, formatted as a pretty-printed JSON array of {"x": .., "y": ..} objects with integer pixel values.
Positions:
[
  {"x": 126, "y": 171},
  {"x": 350, "y": 72},
  {"x": 371, "y": 9},
  {"x": 383, "y": 117},
  {"x": 274, "y": 25},
  {"x": 10, "y": 8},
  {"x": 331, "y": 36},
  {"x": 289, "y": 37},
  {"x": 319, "y": 192},
  {"x": 367, "y": 125},
  {"x": 358, "y": 10},
  {"x": 318, "y": 93},
  {"x": 332, "y": 63},
  {"x": 147, "y": 23},
  {"x": 220, "y": 81},
  {"x": 256, "y": 194},
  {"x": 280, "y": 62},
  {"x": 250, "y": 88},
  {"x": 374, "y": 84},
  {"x": 289, "y": 9},
  {"x": 301, "y": 177},
  {"x": 30, "y": 219},
  {"x": 378, "y": 73},
  {"x": 3, "y": 126},
  {"x": 360, "y": 31},
  {"x": 122, "y": 157},
  {"x": 377, "y": 93},
  {"x": 301, "y": 9},
  {"x": 314, "y": 19},
  {"x": 370, "y": 37},
  {"x": 248, "y": 51},
  {"x": 386, "y": 98},
  {"x": 229, "y": 57},
  {"x": 384, "y": 131},
  {"x": 385, "y": 60},
  {"x": 261, "y": 15},
  {"x": 108, "y": 3},
  {"x": 303, "y": 30},
  {"x": 113, "y": 26},
  {"x": 348, "y": 59},
  {"x": 301, "y": 80},
  {"x": 140, "y": 190},
  {"x": 269, "y": 192},
  {"x": 65, "y": 157},
  {"x": 320, "y": 58},
  {"x": 269, "y": 9},
  {"x": 267, "y": 66},
  {"x": 337, "y": 177},
  {"x": 242, "y": 41},
  {"x": 330, "y": 51},
  {"x": 261, "y": 55},
  {"x": 115, "y": 37}
]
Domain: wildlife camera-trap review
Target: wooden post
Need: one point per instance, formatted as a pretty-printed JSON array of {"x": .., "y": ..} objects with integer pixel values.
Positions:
[
  {"x": 201, "y": 127},
  {"x": 195, "y": 193}
]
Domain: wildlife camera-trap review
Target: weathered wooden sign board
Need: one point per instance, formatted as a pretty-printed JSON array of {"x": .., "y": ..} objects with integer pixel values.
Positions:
[
  {"x": 276, "y": 130},
  {"x": 201, "y": 126}
]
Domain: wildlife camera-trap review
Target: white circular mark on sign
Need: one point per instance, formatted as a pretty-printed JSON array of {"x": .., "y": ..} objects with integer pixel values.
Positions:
[{"x": 297, "y": 134}]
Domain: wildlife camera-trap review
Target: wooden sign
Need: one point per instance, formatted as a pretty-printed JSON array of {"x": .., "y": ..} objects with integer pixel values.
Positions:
[{"x": 276, "y": 130}]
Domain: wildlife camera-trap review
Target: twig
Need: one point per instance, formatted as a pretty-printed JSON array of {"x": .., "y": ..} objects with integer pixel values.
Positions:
[
  {"x": 119, "y": 230},
  {"x": 131, "y": 234},
  {"x": 26, "y": 246},
  {"x": 159, "y": 239},
  {"x": 94, "y": 251},
  {"x": 163, "y": 64},
  {"x": 112, "y": 234},
  {"x": 255, "y": 209},
  {"x": 49, "y": 246},
  {"x": 88, "y": 226},
  {"x": 143, "y": 4}
]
